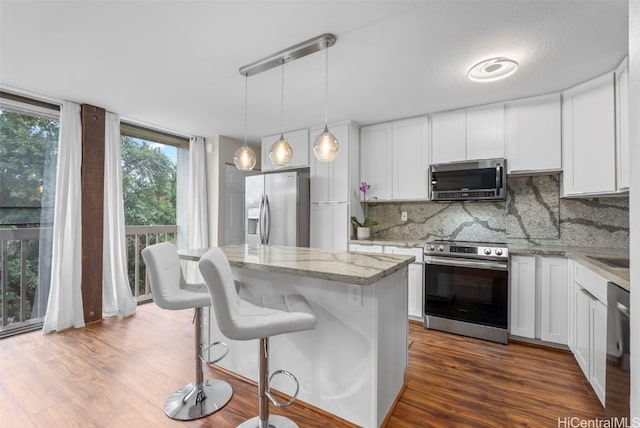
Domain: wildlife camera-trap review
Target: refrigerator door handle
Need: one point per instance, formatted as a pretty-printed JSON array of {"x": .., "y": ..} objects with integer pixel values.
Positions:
[
  {"x": 261, "y": 220},
  {"x": 267, "y": 216}
]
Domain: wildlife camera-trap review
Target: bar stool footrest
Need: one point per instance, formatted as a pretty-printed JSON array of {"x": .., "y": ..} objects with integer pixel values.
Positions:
[
  {"x": 293, "y": 397},
  {"x": 221, "y": 343}
]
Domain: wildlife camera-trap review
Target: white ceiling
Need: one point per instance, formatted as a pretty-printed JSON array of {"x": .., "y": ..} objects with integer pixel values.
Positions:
[{"x": 174, "y": 64}]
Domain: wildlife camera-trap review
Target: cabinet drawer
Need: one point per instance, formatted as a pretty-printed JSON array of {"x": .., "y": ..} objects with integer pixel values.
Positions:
[
  {"x": 364, "y": 248},
  {"x": 591, "y": 281}
]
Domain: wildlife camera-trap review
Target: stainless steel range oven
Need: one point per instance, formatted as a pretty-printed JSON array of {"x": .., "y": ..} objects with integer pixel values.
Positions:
[{"x": 466, "y": 289}]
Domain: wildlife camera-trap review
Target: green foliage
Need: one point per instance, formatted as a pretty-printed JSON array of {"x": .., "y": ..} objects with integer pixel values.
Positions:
[
  {"x": 28, "y": 150},
  {"x": 149, "y": 184},
  {"x": 149, "y": 189},
  {"x": 366, "y": 223}
]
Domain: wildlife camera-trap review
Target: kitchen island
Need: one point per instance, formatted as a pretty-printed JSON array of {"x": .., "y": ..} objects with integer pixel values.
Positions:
[{"x": 352, "y": 365}]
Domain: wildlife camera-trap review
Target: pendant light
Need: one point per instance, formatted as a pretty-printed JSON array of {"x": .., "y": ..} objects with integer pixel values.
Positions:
[
  {"x": 326, "y": 146},
  {"x": 245, "y": 157},
  {"x": 281, "y": 151}
]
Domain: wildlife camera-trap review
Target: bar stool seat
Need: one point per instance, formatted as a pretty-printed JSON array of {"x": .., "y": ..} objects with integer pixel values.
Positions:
[
  {"x": 170, "y": 291},
  {"x": 240, "y": 319}
]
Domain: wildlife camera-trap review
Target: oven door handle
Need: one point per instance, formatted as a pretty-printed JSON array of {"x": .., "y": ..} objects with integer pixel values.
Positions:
[{"x": 485, "y": 264}]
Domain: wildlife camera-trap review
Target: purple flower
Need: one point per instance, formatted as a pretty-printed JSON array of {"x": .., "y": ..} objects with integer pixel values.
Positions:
[{"x": 364, "y": 186}]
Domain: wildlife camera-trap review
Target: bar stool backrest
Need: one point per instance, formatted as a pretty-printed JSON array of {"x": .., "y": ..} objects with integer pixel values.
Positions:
[
  {"x": 215, "y": 268},
  {"x": 165, "y": 277}
]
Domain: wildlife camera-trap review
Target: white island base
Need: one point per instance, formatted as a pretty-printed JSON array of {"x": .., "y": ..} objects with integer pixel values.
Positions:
[{"x": 352, "y": 365}]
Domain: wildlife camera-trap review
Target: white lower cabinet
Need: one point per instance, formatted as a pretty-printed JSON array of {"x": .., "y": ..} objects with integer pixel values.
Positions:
[
  {"x": 598, "y": 375},
  {"x": 415, "y": 272},
  {"x": 522, "y": 273},
  {"x": 589, "y": 323},
  {"x": 416, "y": 277},
  {"x": 539, "y": 300},
  {"x": 334, "y": 233},
  {"x": 554, "y": 300},
  {"x": 582, "y": 324}
]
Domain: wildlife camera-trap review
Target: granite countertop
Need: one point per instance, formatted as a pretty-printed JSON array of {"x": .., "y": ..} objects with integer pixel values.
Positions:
[
  {"x": 619, "y": 276},
  {"x": 342, "y": 266},
  {"x": 394, "y": 242}
]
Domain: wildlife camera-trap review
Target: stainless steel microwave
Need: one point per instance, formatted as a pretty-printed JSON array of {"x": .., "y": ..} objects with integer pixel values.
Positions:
[{"x": 478, "y": 180}]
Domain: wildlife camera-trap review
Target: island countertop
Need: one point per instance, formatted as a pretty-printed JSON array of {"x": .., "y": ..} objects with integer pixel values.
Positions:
[{"x": 343, "y": 266}]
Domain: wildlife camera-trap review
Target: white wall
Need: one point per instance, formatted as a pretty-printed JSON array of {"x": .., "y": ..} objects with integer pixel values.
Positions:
[{"x": 634, "y": 208}]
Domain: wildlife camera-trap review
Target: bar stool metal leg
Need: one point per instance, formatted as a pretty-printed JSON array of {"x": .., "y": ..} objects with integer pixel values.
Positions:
[
  {"x": 201, "y": 398},
  {"x": 264, "y": 420}
]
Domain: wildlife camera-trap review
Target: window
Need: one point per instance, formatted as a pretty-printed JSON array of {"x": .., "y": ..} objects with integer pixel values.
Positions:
[
  {"x": 150, "y": 163},
  {"x": 28, "y": 156}
]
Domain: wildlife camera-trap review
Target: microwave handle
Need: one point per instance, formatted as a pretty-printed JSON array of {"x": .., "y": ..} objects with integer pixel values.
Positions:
[{"x": 498, "y": 178}]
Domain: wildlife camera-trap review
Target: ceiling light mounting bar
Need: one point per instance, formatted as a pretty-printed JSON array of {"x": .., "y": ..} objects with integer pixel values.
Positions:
[{"x": 289, "y": 54}]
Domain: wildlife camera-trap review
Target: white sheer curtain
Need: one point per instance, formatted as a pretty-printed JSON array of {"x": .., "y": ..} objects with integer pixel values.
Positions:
[
  {"x": 64, "y": 309},
  {"x": 117, "y": 299},
  {"x": 198, "y": 230}
]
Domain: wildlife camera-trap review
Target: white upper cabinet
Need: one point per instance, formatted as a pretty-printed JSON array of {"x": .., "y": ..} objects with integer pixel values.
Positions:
[
  {"x": 330, "y": 180},
  {"x": 474, "y": 133},
  {"x": 448, "y": 136},
  {"x": 485, "y": 132},
  {"x": 410, "y": 165},
  {"x": 588, "y": 135},
  {"x": 299, "y": 141},
  {"x": 622, "y": 124},
  {"x": 376, "y": 160},
  {"x": 533, "y": 135},
  {"x": 395, "y": 161}
]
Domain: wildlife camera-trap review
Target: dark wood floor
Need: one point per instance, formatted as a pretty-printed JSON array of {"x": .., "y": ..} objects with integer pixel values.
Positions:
[{"x": 118, "y": 373}]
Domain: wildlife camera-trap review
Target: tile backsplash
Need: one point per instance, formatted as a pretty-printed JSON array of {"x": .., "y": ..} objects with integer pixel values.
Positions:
[{"x": 533, "y": 213}]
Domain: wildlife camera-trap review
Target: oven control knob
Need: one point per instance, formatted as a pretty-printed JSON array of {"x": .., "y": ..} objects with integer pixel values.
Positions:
[
  {"x": 498, "y": 252},
  {"x": 440, "y": 248},
  {"x": 487, "y": 251},
  {"x": 431, "y": 248}
]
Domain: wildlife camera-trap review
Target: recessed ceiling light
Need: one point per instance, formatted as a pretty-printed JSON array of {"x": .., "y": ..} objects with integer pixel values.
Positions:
[{"x": 492, "y": 69}]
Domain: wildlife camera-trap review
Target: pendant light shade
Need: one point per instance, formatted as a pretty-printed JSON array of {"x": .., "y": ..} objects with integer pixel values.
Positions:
[
  {"x": 245, "y": 158},
  {"x": 326, "y": 145},
  {"x": 281, "y": 151}
]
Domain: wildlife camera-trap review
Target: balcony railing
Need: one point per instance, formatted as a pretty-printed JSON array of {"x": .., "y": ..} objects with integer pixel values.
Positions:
[
  {"x": 26, "y": 264},
  {"x": 139, "y": 237}
]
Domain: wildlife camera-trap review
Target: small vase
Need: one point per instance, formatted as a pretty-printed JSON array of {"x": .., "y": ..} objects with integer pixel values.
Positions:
[{"x": 363, "y": 232}]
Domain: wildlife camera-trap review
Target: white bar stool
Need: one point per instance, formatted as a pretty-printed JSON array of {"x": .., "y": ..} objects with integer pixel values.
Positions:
[
  {"x": 170, "y": 291},
  {"x": 240, "y": 319}
]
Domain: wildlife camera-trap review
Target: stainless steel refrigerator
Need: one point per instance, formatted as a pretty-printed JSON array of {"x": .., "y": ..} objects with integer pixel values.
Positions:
[{"x": 277, "y": 209}]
